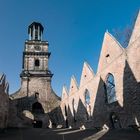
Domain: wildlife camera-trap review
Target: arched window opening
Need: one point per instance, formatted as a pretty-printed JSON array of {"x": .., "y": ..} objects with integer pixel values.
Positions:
[
  {"x": 36, "y": 95},
  {"x": 66, "y": 111},
  {"x": 37, "y": 63},
  {"x": 66, "y": 115},
  {"x": 74, "y": 110},
  {"x": 87, "y": 97},
  {"x": 87, "y": 103},
  {"x": 73, "y": 104},
  {"x": 37, "y": 108},
  {"x": 110, "y": 89}
]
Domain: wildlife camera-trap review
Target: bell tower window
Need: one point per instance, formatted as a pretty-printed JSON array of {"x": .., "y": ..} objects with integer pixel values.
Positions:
[
  {"x": 37, "y": 63},
  {"x": 36, "y": 32}
]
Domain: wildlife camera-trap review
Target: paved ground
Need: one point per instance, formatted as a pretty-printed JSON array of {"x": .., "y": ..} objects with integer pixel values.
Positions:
[{"x": 68, "y": 134}]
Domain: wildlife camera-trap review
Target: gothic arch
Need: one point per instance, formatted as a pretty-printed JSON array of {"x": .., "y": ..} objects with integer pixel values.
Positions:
[
  {"x": 36, "y": 95},
  {"x": 87, "y": 104},
  {"x": 74, "y": 109},
  {"x": 87, "y": 97},
  {"x": 66, "y": 115},
  {"x": 110, "y": 88},
  {"x": 37, "y": 108}
]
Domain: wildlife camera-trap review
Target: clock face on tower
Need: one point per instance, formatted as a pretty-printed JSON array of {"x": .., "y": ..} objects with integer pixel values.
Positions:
[{"x": 37, "y": 48}]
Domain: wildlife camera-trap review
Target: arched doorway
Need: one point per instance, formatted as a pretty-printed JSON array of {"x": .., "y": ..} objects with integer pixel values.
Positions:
[
  {"x": 37, "y": 124},
  {"x": 37, "y": 108},
  {"x": 115, "y": 121}
]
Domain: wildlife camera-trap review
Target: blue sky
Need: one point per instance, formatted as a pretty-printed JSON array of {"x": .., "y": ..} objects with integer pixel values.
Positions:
[{"x": 73, "y": 28}]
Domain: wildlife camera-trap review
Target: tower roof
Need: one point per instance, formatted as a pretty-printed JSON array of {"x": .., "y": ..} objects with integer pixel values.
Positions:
[{"x": 35, "y": 24}]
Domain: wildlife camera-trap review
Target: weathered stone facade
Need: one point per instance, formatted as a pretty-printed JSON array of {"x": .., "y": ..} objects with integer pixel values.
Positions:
[
  {"x": 112, "y": 95},
  {"x": 4, "y": 101},
  {"x": 34, "y": 101}
]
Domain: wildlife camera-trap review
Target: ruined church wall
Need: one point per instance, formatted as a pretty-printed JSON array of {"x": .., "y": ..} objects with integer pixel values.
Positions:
[
  {"x": 102, "y": 109},
  {"x": 125, "y": 69},
  {"x": 4, "y": 102}
]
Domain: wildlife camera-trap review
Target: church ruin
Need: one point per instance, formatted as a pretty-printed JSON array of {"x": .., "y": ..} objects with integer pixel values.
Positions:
[{"x": 109, "y": 97}]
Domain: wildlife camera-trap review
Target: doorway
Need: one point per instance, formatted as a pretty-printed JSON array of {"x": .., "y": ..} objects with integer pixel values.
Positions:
[
  {"x": 115, "y": 121},
  {"x": 37, "y": 124},
  {"x": 37, "y": 108}
]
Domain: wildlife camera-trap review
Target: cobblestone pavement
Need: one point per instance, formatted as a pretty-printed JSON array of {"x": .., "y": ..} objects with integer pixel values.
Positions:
[{"x": 69, "y": 134}]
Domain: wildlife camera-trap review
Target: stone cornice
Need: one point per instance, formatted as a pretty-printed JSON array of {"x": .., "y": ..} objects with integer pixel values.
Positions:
[
  {"x": 34, "y": 42},
  {"x": 30, "y": 74},
  {"x": 37, "y": 53}
]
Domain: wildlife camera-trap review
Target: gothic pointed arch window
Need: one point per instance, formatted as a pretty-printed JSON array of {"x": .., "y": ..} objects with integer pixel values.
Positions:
[
  {"x": 110, "y": 89},
  {"x": 87, "y": 97},
  {"x": 74, "y": 109},
  {"x": 87, "y": 104},
  {"x": 66, "y": 113},
  {"x": 73, "y": 104}
]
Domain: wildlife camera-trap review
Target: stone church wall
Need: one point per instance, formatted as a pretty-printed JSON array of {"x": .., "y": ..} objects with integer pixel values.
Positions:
[{"x": 4, "y": 102}]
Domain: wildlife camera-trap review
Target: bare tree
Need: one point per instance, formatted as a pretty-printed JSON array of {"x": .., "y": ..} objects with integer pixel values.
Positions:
[{"x": 123, "y": 35}]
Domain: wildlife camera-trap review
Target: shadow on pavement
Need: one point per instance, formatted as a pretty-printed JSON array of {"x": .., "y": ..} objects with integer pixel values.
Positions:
[{"x": 69, "y": 134}]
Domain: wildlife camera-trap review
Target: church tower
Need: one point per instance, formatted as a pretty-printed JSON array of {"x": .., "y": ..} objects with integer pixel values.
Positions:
[
  {"x": 36, "y": 94},
  {"x": 36, "y": 76}
]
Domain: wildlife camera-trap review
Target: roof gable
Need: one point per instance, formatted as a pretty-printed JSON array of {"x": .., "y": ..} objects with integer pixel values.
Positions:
[
  {"x": 73, "y": 85},
  {"x": 87, "y": 74},
  {"x": 111, "y": 49},
  {"x": 136, "y": 30},
  {"x": 64, "y": 93}
]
